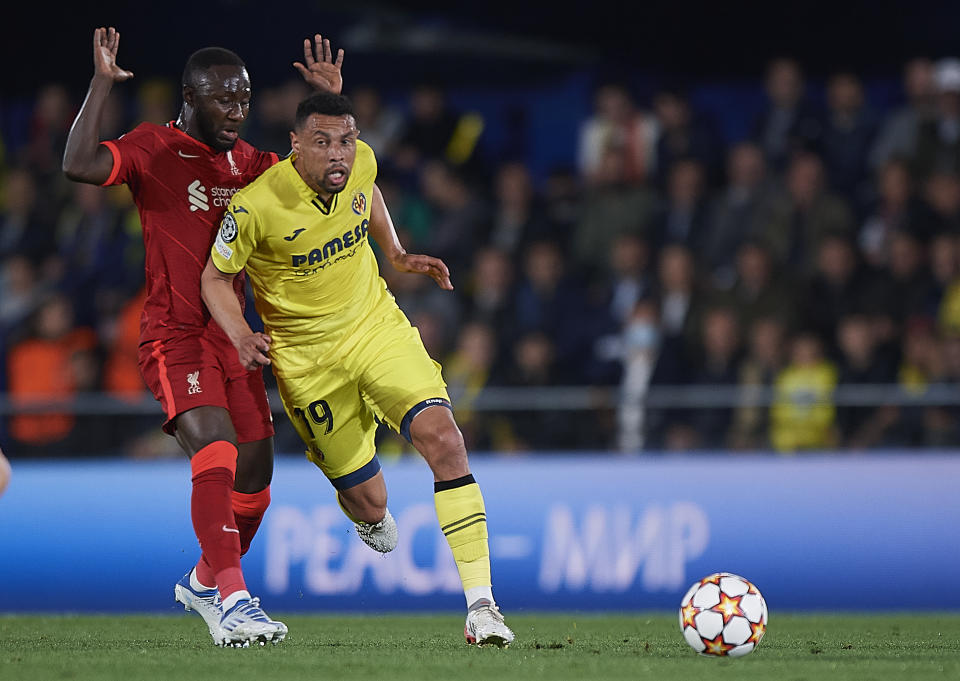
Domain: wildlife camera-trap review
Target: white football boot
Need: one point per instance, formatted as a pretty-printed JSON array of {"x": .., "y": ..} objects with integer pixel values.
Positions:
[
  {"x": 485, "y": 625},
  {"x": 247, "y": 623},
  {"x": 380, "y": 536},
  {"x": 204, "y": 602}
]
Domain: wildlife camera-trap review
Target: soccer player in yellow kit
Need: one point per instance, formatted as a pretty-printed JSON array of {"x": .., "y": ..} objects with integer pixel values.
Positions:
[{"x": 343, "y": 353}]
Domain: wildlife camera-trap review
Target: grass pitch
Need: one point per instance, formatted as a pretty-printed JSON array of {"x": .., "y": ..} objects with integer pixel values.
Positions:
[{"x": 548, "y": 646}]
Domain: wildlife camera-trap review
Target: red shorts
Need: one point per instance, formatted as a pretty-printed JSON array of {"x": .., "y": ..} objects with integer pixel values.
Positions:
[{"x": 201, "y": 370}]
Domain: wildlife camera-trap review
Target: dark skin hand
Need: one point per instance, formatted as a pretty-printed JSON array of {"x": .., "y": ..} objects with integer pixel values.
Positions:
[{"x": 86, "y": 160}]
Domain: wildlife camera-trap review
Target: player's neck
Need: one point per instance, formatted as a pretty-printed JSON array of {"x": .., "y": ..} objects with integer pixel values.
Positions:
[{"x": 188, "y": 124}]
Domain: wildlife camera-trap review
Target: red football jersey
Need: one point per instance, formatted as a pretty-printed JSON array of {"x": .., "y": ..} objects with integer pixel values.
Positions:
[{"x": 181, "y": 187}]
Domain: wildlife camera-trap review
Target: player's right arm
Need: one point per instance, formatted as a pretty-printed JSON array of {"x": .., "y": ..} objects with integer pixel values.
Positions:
[
  {"x": 216, "y": 287},
  {"x": 236, "y": 240},
  {"x": 85, "y": 159}
]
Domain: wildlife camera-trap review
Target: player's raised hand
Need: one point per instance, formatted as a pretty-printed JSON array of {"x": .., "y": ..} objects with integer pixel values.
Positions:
[
  {"x": 319, "y": 68},
  {"x": 252, "y": 350},
  {"x": 106, "y": 41},
  {"x": 434, "y": 268}
]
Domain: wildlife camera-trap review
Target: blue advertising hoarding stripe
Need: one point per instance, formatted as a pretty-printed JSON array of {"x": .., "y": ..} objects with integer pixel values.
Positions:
[{"x": 593, "y": 533}]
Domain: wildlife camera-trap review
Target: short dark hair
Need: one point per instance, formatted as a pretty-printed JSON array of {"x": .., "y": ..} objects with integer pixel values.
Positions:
[
  {"x": 204, "y": 58},
  {"x": 325, "y": 104}
]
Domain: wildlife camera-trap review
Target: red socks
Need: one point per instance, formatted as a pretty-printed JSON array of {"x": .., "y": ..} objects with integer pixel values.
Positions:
[
  {"x": 211, "y": 508},
  {"x": 248, "y": 510}
]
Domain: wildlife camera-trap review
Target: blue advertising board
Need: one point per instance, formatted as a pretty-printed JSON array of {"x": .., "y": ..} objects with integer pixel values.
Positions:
[{"x": 590, "y": 532}]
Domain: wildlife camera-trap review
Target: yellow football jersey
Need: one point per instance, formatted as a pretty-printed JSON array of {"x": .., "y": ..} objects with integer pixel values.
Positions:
[{"x": 313, "y": 271}]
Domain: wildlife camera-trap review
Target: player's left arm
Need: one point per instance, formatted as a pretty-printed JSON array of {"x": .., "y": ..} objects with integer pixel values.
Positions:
[
  {"x": 319, "y": 68},
  {"x": 385, "y": 234}
]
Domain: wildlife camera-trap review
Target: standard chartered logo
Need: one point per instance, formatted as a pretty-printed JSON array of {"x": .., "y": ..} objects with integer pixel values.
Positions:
[{"x": 197, "y": 195}]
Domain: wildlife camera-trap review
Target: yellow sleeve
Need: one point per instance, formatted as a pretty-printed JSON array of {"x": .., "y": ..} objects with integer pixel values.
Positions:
[{"x": 237, "y": 237}]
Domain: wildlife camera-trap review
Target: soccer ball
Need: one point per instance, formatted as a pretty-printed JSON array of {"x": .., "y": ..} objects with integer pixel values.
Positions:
[{"x": 723, "y": 615}]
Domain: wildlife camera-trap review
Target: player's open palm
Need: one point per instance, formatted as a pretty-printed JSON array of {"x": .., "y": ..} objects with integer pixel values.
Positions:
[
  {"x": 106, "y": 42},
  {"x": 319, "y": 68},
  {"x": 434, "y": 268}
]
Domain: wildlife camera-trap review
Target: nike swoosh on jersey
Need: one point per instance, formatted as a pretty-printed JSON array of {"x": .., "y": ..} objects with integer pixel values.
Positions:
[
  {"x": 183, "y": 155},
  {"x": 295, "y": 234},
  {"x": 230, "y": 529}
]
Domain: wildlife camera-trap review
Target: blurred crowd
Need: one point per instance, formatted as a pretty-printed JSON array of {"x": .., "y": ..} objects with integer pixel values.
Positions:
[{"x": 820, "y": 251}]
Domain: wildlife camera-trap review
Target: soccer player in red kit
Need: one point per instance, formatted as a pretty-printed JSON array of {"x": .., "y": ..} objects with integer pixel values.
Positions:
[{"x": 182, "y": 176}]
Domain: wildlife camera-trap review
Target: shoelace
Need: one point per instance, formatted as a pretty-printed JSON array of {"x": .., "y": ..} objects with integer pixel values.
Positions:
[{"x": 492, "y": 611}]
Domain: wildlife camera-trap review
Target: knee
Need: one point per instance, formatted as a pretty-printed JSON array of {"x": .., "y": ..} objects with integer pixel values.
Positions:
[{"x": 443, "y": 442}]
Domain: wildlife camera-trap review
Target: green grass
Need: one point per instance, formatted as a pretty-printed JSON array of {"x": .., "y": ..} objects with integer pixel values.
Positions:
[{"x": 548, "y": 646}]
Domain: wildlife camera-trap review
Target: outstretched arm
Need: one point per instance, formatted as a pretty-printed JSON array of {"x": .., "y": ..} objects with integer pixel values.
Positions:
[
  {"x": 384, "y": 233},
  {"x": 216, "y": 288},
  {"x": 84, "y": 159},
  {"x": 319, "y": 69}
]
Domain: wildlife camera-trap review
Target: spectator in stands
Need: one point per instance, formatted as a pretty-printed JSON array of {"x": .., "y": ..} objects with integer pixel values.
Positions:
[
  {"x": 758, "y": 290},
  {"x": 942, "y": 196},
  {"x": 49, "y": 126},
  {"x": 24, "y": 229},
  {"x": 380, "y": 125},
  {"x": 764, "y": 360},
  {"x": 862, "y": 427},
  {"x": 552, "y": 303},
  {"x": 683, "y": 217},
  {"x": 91, "y": 240},
  {"x": 610, "y": 208},
  {"x": 944, "y": 257},
  {"x": 630, "y": 279},
  {"x": 938, "y": 139},
  {"x": 907, "y": 285},
  {"x": 794, "y": 223},
  {"x": 733, "y": 216},
  {"x": 839, "y": 286},
  {"x": 895, "y": 209},
  {"x": 518, "y": 217},
  {"x": 561, "y": 198},
  {"x": 435, "y": 132},
  {"x": 922, "y": 366},
  {"x": 21, "y": 291},
  {"x": 898, "y": 136},
  {"x": 640, "y": 341},
  {"x": 490, "y": 297},
  {"x": 718, "y": 363},
  {"x": 535, "y": 365},
  {"x": 53, "y": 364},
  {"x": 459, "y": 216},
  {"x": 684, "y": 134},
  {"x": 803, "y": 415},
  {"x": 617, "y": 128},
  {"x": 942, "y": 423},
  {"x": 790, "y": 124},
  {"x": 274, "y": 114},
  {"x": 121, "y": 376},
  {"x": 849, "y": 129},
  {"x": 467, "y": 371}
]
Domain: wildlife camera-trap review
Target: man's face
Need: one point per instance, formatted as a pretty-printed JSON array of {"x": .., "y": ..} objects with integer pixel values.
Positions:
[
  {"x": 326, "y": 147},
  {"x": 221, "y": 98}
]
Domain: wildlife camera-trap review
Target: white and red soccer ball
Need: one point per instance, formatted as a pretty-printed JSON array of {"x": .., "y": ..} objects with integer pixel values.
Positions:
[{"x": 723, "y": 615}]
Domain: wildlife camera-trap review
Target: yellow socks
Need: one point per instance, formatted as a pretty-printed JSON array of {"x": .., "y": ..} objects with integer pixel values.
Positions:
[{"x": 463, "y": 521}]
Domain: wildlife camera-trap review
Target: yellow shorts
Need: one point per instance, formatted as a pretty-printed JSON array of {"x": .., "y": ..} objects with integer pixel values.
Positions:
[{"x": 383, "y": 374}]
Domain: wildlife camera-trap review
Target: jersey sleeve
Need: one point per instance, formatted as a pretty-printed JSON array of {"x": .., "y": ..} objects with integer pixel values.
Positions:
[
  {"x": 129, "y": 153},
  {"x": 366, "y": 163},
  {"x": 237, "y": 237}
]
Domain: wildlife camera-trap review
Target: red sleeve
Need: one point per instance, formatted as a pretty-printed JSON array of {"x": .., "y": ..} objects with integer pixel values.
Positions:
[{"x": 129, "y": 152}]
